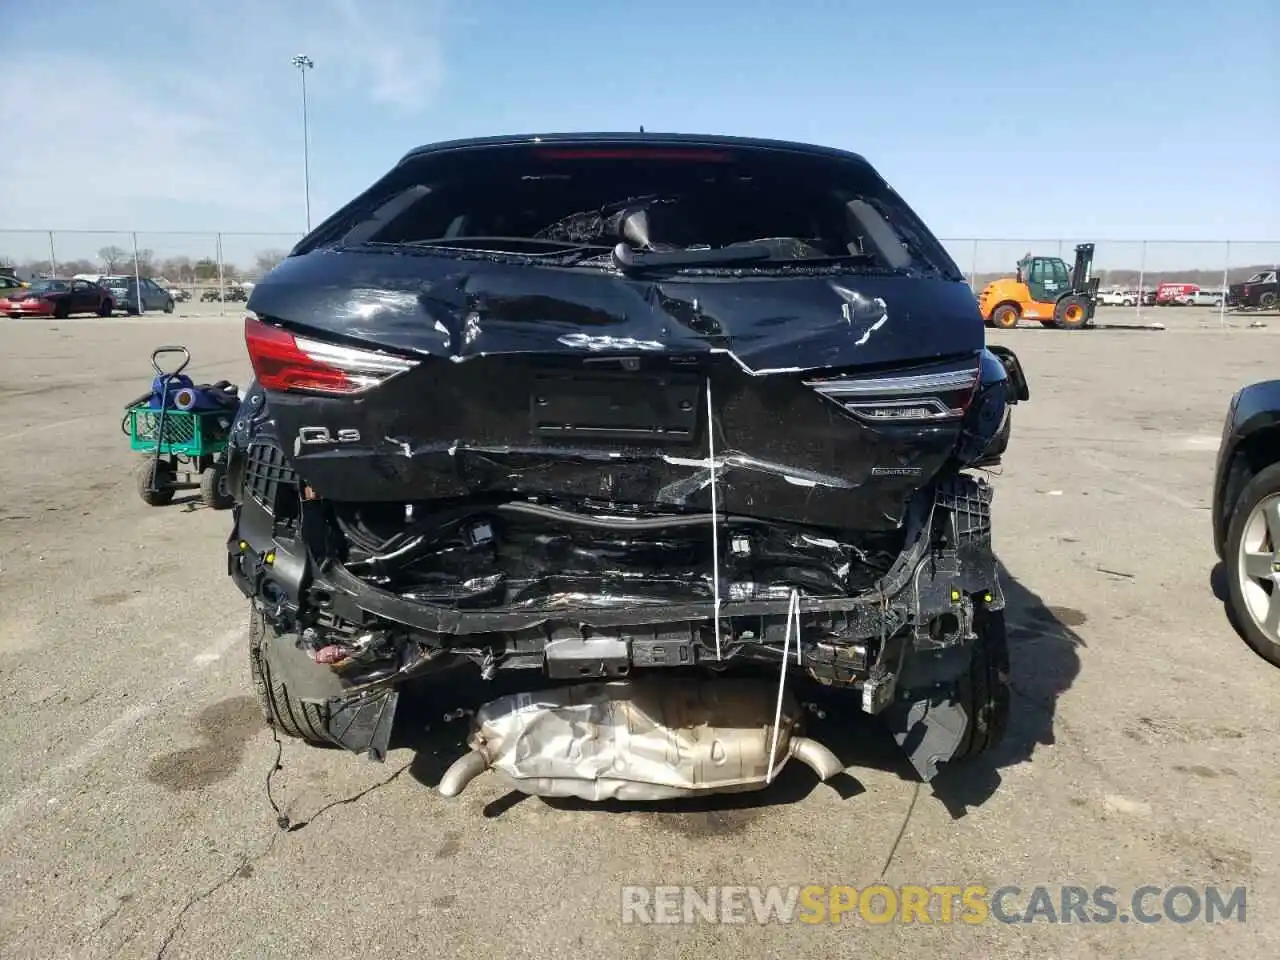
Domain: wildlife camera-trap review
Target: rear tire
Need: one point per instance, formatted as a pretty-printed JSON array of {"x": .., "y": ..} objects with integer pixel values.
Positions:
[
  {"x": 164, "y": 477},
  {"x": 1262, "y": 488},
  {"x": 1005, "y": 316},
  {"x": 62, "y": 310},
  {"x": 984, "y": 689},
  {"x": 290, "y": 717},
  {"x": 1071, "y": 313}
]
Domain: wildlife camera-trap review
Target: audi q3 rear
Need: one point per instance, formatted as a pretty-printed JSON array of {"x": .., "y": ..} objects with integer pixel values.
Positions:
[{"x": 665, "y": 424}]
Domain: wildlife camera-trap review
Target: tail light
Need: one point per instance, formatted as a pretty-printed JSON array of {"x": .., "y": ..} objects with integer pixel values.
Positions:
[
  {"x": 935, "y": 394},
  {"x": 284, "y": 361}
]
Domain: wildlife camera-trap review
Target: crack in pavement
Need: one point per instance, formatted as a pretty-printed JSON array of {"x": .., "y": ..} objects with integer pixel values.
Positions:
[
  {"x": 246, "y": 860},
  {"x": 902, "y": 830},
  {"x": 294, "y": 828}
]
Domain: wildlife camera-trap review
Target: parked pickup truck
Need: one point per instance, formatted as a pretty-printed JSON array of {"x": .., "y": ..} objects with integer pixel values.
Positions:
[
  {"x": 1118, "y": 298},
  {"x": 1260, "y": 291}
]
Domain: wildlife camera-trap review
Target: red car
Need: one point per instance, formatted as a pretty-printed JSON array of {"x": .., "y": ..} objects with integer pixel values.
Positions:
[{"x": 58, "y": 298}]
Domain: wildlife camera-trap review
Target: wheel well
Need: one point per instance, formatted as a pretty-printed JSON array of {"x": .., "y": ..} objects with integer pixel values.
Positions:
[
  {"x": 1254, "y": 454},
  {"x": 1017, "y": 307}
]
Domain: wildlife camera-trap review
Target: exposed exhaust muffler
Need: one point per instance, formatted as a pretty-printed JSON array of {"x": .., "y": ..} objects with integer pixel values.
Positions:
[{"x": 637, "y": 740}]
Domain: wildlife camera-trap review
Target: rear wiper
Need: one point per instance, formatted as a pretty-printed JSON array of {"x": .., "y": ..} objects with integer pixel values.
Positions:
[
  {"x": 495, "y": 244},
  {"x": 626, "y": 259}
]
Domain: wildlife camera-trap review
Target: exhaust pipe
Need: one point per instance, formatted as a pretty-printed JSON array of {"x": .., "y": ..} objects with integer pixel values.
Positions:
[
  {"x": 816, "y": 757},
  {"x": 462, "y": 771}
]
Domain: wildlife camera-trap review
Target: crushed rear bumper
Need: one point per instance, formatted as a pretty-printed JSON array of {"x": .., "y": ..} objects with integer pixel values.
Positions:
[{"x": 899, "y": 650}]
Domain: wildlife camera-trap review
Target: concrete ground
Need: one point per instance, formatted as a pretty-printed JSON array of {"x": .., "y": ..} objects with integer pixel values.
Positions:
[{"x": 134, "y": 820}]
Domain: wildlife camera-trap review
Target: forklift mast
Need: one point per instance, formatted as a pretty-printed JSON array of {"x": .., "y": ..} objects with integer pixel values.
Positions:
[{"x": 1081, "y": 281}]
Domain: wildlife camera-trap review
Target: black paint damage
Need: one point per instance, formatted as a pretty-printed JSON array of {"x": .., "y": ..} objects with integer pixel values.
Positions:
[
  {"x": 498, "y": 336},
  {"x": 537, "y": 492}
]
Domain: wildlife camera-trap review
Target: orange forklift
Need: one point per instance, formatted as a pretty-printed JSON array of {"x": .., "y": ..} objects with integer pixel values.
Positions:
[{"x": 1044, "y": 290}]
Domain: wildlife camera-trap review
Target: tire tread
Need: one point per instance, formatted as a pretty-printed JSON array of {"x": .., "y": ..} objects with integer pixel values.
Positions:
[{"x": 303, "y": 721}]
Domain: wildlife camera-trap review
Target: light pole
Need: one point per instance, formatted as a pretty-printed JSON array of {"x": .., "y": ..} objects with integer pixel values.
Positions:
[{"x": 305, "y": 63}]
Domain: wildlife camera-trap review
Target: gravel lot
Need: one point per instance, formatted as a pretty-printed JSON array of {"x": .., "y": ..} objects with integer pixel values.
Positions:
[{"x": 134, "y": 820}]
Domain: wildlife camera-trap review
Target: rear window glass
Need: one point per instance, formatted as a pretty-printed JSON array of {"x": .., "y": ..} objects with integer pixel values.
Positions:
[{"x": 692, "y": 198}]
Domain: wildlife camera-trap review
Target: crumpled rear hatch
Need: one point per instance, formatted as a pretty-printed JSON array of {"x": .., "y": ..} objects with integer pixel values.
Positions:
[{"x": 528, "y": 371}]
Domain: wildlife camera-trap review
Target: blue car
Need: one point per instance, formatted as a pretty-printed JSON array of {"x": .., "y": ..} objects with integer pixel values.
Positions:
[{"x": 125, "y": 291}]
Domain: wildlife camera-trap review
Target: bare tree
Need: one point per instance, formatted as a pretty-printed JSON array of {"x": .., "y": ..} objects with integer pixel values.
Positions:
[
  {"x": 266, "y": 260},
  {"x": 72, "y": 267},
  {"x": 178, "y": 268},
  {"x": 206, "y": 269},
  {"x": 112, "y": 256},
  {"x": 145, "y": 260},
  {"x": 37, "y": 268}
]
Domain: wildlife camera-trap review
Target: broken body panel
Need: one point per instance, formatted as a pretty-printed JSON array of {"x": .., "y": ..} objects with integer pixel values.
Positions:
[{"x": 578, "y": 471}]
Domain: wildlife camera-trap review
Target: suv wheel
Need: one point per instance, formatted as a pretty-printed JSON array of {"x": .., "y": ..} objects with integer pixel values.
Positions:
[
  {"x": 1267, "y": 301},
  {"x": 1253, "y": 559},
  {"x": 280, "y": 709},
  {"x": 984, "y": 690}
]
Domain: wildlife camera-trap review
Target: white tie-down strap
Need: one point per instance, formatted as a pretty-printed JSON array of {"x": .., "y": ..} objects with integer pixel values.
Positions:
[
  {"x": 715, "y": 522},
  {"x": 793, "y": 625}
]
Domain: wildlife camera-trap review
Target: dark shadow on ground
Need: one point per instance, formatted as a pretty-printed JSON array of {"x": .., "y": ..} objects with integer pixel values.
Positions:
[
  {"x": 1218, "y": 584},
  {"x": 1140, "y": 326},
  {"x": 1044, "y": 664}
]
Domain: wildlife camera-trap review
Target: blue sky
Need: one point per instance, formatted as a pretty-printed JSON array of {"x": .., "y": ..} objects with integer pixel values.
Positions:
[{"x": 1143, "y": 121}]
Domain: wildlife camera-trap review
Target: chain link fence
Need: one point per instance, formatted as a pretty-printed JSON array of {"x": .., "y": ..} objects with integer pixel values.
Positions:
[
  {"x": 206, "y": 267},
  {"x": 1134, "y": 266},
  {"x": 1125, "y": 263},
  {"x": 213, "y": 266}
]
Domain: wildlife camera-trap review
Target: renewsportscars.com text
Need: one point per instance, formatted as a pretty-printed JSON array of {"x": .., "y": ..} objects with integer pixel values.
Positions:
[{"x": 934, "y": 904}]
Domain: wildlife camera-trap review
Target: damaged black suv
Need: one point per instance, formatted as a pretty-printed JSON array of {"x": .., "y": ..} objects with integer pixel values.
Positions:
[{"x": 653, "y": 418}]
